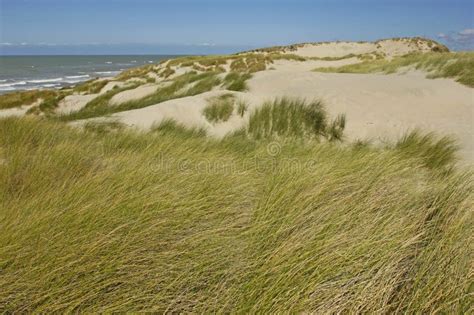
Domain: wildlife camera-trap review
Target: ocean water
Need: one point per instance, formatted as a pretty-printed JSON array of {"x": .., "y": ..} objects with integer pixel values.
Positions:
[{"x": 37, "y": 72}]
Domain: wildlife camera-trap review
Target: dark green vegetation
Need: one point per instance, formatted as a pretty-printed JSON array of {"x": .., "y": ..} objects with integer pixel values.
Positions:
[
  {"x": 294, "y": 118},
  {"x": 219, "y": 108},
  {"x": 108, "y": 220},
  {"x": 458, "y": 66}
]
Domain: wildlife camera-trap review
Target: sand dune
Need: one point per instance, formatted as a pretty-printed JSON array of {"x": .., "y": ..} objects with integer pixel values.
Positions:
[{"x": 378, "y": 107}]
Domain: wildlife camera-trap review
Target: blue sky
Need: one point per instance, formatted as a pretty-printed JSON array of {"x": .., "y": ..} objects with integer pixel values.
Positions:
[{"x": 220, "y": 26}]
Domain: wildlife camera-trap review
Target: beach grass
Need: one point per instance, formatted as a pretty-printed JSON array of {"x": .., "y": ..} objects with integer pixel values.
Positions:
[
  {"x": 287, "y": 117},
  {"x": 188, "y": 84},
  {"x": 167, "y": 222},
  {"x": 458, "y": 66},
  {"x": 235, "y": 81},
  {"x": 220, "y": 108},
  {"x": 242, "y": 108},
  {"x": 23, "y": 98},
  {"x": 93, "y": 86}
]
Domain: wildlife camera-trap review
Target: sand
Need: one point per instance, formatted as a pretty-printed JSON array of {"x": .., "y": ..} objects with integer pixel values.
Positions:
[
  {"x": 377, "y": 106},
  {"x": 18, "y": 111},
  {"x": 389, "y": 48}
]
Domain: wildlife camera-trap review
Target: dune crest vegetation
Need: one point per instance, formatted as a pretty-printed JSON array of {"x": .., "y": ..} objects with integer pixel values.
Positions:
[{"x": 457, "y": 66}]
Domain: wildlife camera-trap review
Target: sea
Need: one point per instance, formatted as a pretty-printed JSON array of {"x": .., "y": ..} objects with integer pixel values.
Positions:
[{"x": 55, "y": 72}]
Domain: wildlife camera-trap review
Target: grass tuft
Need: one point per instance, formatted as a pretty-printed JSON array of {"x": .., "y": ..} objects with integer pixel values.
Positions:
[
  {"x": 235, "y": 81},
  {"x": 287, "y": 117},
  {"x": 219, "y": 108},
  {"x": 170, "y": 127},
  {"x": 435, "y": 152},
  {"x": 242, "y": 108}
]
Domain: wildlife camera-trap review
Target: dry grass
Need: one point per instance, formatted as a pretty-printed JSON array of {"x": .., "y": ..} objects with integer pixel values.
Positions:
[
  {"x": 165, "y": 222},
  {"x": 20, "y": 98}
]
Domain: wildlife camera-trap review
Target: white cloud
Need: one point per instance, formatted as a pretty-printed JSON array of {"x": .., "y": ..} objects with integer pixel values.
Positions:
[
  {"x": 461, "y": 40},
  {"x": 467, "y": 32}
]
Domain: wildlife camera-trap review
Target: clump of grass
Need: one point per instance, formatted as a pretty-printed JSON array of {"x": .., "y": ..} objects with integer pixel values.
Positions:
[
  {"x": 159, "y": 222},
  {"x": 93, "y": 86},
  {"x": 172, "y": 128},
  {"x": 292, "y": 57},
  {"x": 205, "y": 84},
  {"x": 235, "y": 81},
  {"x": 103, "y": 127},
  {"x": 167, "y": 72},
  {"x": 20, "y": 98},
  {"x": 250, "y": 63},
  {"x": 219, "y": 108},
  {"x": 134, "y": 73},
  {"x": 287, "y": 117},
  {"x": 435, "y": 152},
  {"x": 49, "y": 104},
  {"x": 242, "y": 108},
  {"x": 335, "y": 130},
  {"x": 439, "y": 65}
]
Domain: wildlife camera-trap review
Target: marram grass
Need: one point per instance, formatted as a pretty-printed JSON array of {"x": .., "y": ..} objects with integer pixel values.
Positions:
[
  {"x": 458, "y": 66},
  {"x": 173, "y": 222}
]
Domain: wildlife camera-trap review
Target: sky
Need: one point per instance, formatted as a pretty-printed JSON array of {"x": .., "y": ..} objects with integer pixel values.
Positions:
[{"x": 221, "y": 26}]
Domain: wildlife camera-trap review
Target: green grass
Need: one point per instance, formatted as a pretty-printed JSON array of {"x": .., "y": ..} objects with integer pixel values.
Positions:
[
  {"x": 242, "y": 107},
  {"x": 103, "y": 127},
  {"x": 219, "y": 109},
  {"x": 170, "y": 127},
  {"x": 16, "y": 99},
  {"x": 93, "y": 86},
  {"x": 99, "y": 106},
  {"x": 436, "y": 153},
  {"x": 458, "y": 66},
  {"x": 235, "y": 81},
  {"x": 297, "y": 118},
  {"x": 161, "y": 222},
  {"x": 167, "y": 72},
  {"x": 179, "y": 87},
  {"x": 136, "y": 73}
]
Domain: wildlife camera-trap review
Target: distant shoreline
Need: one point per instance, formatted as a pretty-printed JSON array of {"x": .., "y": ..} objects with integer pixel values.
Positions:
[{"x": 58, "y": 71}]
